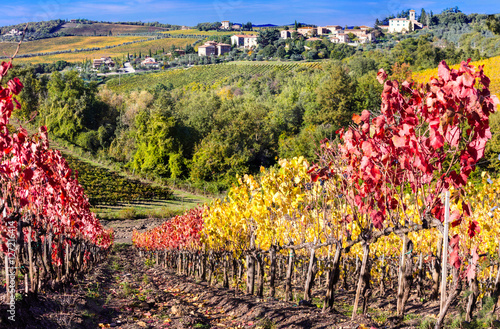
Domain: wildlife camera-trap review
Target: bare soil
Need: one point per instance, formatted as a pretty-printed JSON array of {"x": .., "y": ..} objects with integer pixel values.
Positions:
[{"x": 128, "y": 291}]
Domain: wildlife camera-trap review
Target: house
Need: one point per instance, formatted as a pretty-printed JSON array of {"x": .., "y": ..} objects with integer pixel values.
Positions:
[
  {"x": 383, "y": 27},
  {"x": 307, "y": 31},
  {"x": 213, "y": 48},
  {"x": 236, "y": 26},
  {"x": 250, "y": 41},
  {"x": 403, "y": 25},
  {"x": 223, "y": 48},
  {"x": 321, "y": 30},
  {"x": 73, "y": 21},
  {"x": 364, "y": 27},
  {"x": 184, "y": 27},
  {"x": 14, "y": 32},
  {"x": 242, "y": 40},
  {"x": 285, "y": 34},
  {"x": 206, "y": 50},
  {"x": 179, "y": 52},
  {"x": 342, "y": 37},
  {"x": 362, "y": 35},
  {"x": 225, "y": 25},
  {"x": 238, "y": 40},
  {"x": 103, "y": 61},
  {"x": 150, "y": 62}
]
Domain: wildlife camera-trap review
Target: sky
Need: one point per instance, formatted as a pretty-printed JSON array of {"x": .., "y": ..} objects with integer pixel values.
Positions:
[{"x": 191, "y": 12}]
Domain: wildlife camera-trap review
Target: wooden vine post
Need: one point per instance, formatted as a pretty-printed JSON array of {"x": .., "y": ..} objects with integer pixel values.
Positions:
[
  {"x": 362, "y": 274},
  {"x": 444, "y": 258},
  {"x": 311, "y": 271}
]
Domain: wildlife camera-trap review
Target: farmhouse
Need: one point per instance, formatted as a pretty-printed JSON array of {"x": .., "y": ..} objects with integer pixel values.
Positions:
[
  {"x": 328, "y": 29},
  {"x": 250, "y": 41},
  {"x": 403, "y": 25},
  {"x": 103, "y": 61},
  {"x": 150, "y": 62},
  {"x": 285, "y": 34},
  {"x": 13, "y": 32},
  {"x": 242, "y": 40},
  {"x": 363, "y": 35},
  {"x": 307, "y": 31},
  {"x": 213, "y": 48},
  {"x": 340, "y": 38},
  {"x": 179, "y": 52},
  {"x": 225, "y": 25}
]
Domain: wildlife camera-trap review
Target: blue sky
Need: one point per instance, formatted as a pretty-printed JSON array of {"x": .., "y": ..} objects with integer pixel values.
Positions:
[{"x": 190, "y": 12}]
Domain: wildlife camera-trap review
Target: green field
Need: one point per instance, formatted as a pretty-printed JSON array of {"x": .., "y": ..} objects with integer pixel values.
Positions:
[{"x": 208, "y": 74}]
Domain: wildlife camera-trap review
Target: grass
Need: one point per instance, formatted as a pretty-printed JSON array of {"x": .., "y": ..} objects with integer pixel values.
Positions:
[
  {"x": 427, "y": 323},
  {"x": 65, "y": 43},
  {"x": 120, "y": 51},
  {"x": 152, "y": 209}
]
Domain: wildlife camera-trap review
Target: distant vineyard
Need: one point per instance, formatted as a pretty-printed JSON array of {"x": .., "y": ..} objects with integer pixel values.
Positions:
[
  {"x": 103, "y": 186},
  {"x": 201, "y": 74},
  {"x": 120, "y": 51},
  {"x": 64, "y": 43},
  {"x": 491, "y": 69},
  {"x": 105, "y": 28},
  {"x": 207, "y": 33}
]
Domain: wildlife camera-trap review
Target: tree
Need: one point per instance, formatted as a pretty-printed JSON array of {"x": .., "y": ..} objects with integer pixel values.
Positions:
[
  {"x": 269, "y": 50},
  {"x": 268, "y": 37},
  {"x": 493, "y": 24},
  {"x": 336, "y": 102},
  {"x": 423, "y": 17}
]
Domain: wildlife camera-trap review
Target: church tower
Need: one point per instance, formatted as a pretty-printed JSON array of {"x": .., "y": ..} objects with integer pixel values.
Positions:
[{"x": 412, "y": 15}]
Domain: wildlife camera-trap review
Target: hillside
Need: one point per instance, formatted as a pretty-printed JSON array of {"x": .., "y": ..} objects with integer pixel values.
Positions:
[
  {"x": 105, "y": 29},
  {"x": 120, "y": 51},
  {"x": 65, "y": 43},
  {"x": 201, "y": 74}
]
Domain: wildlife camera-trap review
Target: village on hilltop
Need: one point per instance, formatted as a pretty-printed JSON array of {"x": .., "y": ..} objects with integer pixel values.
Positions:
[
  {"x": 333, "y": 33},
  {"x": 352, "y": 36}
]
